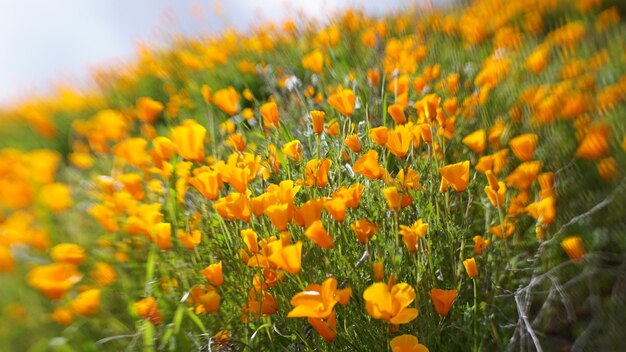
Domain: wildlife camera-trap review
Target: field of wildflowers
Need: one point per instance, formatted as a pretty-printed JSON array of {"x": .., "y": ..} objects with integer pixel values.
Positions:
[{"x": 443, "y": 180}]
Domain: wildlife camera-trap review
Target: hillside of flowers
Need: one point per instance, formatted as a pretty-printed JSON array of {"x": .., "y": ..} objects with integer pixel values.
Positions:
[{"x": 428, "y": 180}]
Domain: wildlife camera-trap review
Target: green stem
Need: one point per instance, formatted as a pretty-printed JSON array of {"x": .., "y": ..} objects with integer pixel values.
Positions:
[{"x": 475, "y": 318}]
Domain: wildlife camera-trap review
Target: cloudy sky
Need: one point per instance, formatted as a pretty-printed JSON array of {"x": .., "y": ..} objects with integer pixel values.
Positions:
[{"x": 46, "y": 42}]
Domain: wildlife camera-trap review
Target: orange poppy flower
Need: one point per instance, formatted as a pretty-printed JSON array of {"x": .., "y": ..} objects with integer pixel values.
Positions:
[
  {"x": 207, "y": 183},
  {"x": 379, "y": 135},
  {"x": 318, "y": 234},
  {"x": 470, "y": 267},
  {"x": 163, "y": 235},
  {"x": 162, "y": 150},
  {"x": 574, "y": 248},
  {"x": 336, "y": 207},
  {"x": 311, "y": 211},
  {"x": 367, "y": 165},
  {"x": 288, "y": 258},
  {"x": 206, "y": 92},
  {"x": 69, "y": 253},
  {"x": 227, "y": 99},
  {"x": 317, "y": 117},
  {"x": 132, "y": 151},
  {"x": 343, "y": 101},
  {"x": 409, "y": 181},
  {"x": 261, "y": 303},
  {"x": 233, "y": 206},
  {"x": 399, "y": 141},
  {"x": 333, "y": 128},
  {"x": 189, "y": 140},
  {"x": 190, "y": 240},
  {"x": 390, "y": 303},
  {"x": 103, "y": 274},
  {"x": 147, "y": 309},
  {"x": 325, "y": 327},
  {"x": 53, "y": 280},
  {"x": 508, "y": 226},
  {"x": 87, "y": 303},
  {"x": 250, "y": 237},
  {"x": 480, "y": 244},
  {"x": 293, "y": 150},
  {"x": 260, "y": 203},
  {"x": 269, "y": 111},
  {"x": 316, "y": 172},
  {"x": 378, "y": 269},
  {"x": 397, "y": 113},
  {"x": 148, "y": 109},
  {"x": 476, "y": 141},
  {"x": 544, "y": 211},
  {"x": 443, "y": 300},
  {"x": 607, "y": 169},
  {"x": 455, "y": 175},
  {"x": 237, "y": 141},
  {"x": 495, "y": 190},
  {"x": 318, "y": 301},
  {"x": 207, "y": 299},
  {"x": 351, "y": 195},
  {"x": 524, "y": 175},
  {"x": 364, "y": 230},
  {"x": 280, "y": 215},
  {"x": 407, "y": 343},
  {"x": 412, "y": 233},
  {"x": 396, "y": 200},
  {"x": 62, "y": 315},
  {"x": 213, "y": 273},
  {"x": 523, "y": 146},
  {"x": 538, "y": 59},
  {"x": 595, "y": 144},
  {"x": 352, "y": 142},
  {"x": 314, "y": 61}
]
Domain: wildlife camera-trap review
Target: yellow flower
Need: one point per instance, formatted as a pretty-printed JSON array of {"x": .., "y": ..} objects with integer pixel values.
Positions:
[
  {"x": 343, "y": 101},
  {"x": 69, "y": 253},
  {"x": 318, "y": 301},
  {"x": 480, "y": 244},
  {"x": 147, "y": 309},
  {"x": 189, "y": 140},
  {"x": 399, "y": 141},
  {"x": 314, "y": 61},
  {"x": 53, "y": 280},
  {"x": 269, "y": 111},
  {"x": 412, "y": 233},
  {"x": 407, "y": 343},
  {"x": 574, "y": 248},
  {"x": 103, "y": 274},
  {"x": 397, "y": 113},
  {"x": 227, "y": 99},
  {"x": 390, "y": 303},
  {"x": 476, "y": 141},
  {"x": 87, "y": 303},
  {"x": 352, "y": 142},
  {"x": 364, "y": 230},
  {"x": 456, "y": 175},
  {"x": 56, "y": 196},
  {"x": 523, "y": 146},
  {"x": 367, "y": 165},
  {"x": 293, "y": 150},
  {"x": 148, "y": 109},
  {"x": 318, "y": 234},
  {"x": 470, "y": 267},
  {"x": 213, "y": 273}
]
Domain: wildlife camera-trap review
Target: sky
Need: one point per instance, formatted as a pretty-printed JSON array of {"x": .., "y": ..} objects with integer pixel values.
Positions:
[{"x": 47, "y": 42}]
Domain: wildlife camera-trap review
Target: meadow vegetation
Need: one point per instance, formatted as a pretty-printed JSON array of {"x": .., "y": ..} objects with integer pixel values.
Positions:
[{"x": 443, "y": 180}]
